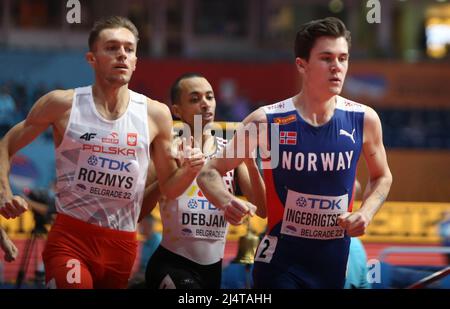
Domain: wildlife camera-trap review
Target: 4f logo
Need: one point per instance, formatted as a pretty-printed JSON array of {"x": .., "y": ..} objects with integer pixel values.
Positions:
[{"x": 88, "y": 136}]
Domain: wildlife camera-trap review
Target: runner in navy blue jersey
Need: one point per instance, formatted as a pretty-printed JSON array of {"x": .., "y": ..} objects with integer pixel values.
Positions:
[{"x": 310, "y": 174}]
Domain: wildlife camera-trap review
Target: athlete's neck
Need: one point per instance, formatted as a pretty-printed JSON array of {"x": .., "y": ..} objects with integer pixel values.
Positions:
[
  {"x": 316, "y": 111},
  {"x": 111, "y": 102}
]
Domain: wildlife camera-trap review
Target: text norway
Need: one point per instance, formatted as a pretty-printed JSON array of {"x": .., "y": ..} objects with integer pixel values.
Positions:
[{"x": 329, "y": 161}]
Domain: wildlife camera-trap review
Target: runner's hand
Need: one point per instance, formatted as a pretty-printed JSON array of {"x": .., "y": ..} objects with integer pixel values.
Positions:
[
  {"x": 236, "y": 210},
  {"x": 354, "y": 223},
  {"x": 11, "y": 208}
]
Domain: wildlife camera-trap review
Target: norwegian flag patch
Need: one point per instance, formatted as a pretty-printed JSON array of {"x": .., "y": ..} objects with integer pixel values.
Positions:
[{"x": 288, "y": 138}]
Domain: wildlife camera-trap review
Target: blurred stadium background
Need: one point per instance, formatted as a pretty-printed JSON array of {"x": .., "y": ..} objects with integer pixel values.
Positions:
[{"x": 400, "y": 67}]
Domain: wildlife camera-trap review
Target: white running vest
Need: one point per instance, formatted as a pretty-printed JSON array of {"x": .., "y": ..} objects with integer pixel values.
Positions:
[
  {"x": 192, "y": 226},
  {"x": 101, "y": 165}
]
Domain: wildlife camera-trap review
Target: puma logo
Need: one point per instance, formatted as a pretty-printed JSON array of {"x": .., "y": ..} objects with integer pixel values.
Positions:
[{"x": 345, "y": 133}]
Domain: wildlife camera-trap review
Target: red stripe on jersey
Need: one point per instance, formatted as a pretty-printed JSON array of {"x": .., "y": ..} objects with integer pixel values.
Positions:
[
  {"x": 275, "y": 208},
  {"x": 292, "y": 134},
  {"x": 350, "y": 205},
  {"x": 291, "y": 141}
]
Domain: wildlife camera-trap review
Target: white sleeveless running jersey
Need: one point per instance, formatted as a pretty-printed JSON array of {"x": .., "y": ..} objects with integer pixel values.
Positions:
[
  {"x": 192, "y": 226},
  {"x": 101, "y": 165}
]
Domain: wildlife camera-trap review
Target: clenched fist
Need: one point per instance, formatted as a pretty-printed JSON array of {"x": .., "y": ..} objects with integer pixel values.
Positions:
[
  {"x": 237, "y": 209},
  {"x": 11, "y": 208},
  {"x": 354, "y": 223}
]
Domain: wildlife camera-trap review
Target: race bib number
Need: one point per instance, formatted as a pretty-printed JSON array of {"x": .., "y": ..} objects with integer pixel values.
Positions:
[
  {"x": 198, "y": 218},
  {"x": 102, "y": 176},
  {"x": 266, "y": 249},
  {"x": 313, "y": 216}
]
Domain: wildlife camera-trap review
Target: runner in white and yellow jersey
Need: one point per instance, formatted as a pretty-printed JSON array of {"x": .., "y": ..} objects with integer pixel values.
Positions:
[
  {"x": 194, "y": 231},
  {"x": 102, "y": 136}
]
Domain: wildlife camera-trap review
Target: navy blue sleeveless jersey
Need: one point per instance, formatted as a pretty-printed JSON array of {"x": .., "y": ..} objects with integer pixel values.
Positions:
[{"x": 310, "y": 186}]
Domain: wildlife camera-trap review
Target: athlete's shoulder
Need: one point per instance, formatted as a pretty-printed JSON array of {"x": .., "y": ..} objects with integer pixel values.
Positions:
[
  {"x": 60, "y": 96},
  {"x": 158, "y": 113},
  {"x": 257, "y": 116},
  {"x": 349, "y": 105},
  {"x": 371, "y": 118},
  {"x": 51, "y": 106},
  {"x": 138, "y": 98},
  {"x": 55, "y": 101},
  {"x": 156, "y": 108}
]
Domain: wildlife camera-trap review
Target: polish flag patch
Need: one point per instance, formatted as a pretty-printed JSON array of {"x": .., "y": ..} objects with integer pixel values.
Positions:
[
  {"x": 132, "y": 139},
  {"x": 288, "y": 138}
]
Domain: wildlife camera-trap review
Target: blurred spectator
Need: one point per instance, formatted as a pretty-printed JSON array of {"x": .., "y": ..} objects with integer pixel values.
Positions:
[
  {"x": 224, "y": 110},
  {"x": 19, "y": 93},
  {"x": 151, "y": 241},
  {"x": 233, "y": 106},
  {"x": 444, "y": 232},
  {"x": 424, "y": 128},
  {"x": 40, "y": 91},
  {"x": 414, "y": 133},
  {"x": 241, "y": 108},
  {"x": 356, "y": 277},
  {"x": 7, "y": 109},
  {"x": 238, "y": 274},
  {"x": 42, "y": 204}
]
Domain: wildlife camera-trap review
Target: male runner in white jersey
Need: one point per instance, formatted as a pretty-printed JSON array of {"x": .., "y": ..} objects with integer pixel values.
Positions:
[
  {"x": 316, "y": 138},
  {"x": 102, "y": 135},
  {"x": 194, "y": 230}
]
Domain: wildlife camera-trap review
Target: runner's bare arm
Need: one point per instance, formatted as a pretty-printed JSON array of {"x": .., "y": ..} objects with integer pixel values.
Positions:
[
  {"x": 151, "y": 194},
  {"x": 252, "y": 185},
  {"x": 375, "y": 155},
  {"x": 45, "y": 111},
  {"x": 380, "y": 177},
  {"x": 172, "y": 180},
  {"x": 210, "y": 177}
]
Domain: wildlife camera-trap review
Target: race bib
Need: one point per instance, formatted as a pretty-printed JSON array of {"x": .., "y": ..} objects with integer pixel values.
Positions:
[
  {"x": 198, "y": 218},
  {"x": 313, "y": 216},
  {"x": 102, "y": 176},
  {"x": 266, "y": 249}
]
